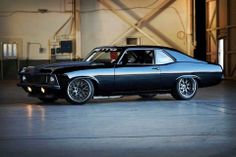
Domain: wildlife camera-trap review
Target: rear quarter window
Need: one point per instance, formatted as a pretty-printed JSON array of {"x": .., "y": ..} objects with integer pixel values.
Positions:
[
  {"x": 179, "y": 56},
  {"x": 162, "y": 58}
]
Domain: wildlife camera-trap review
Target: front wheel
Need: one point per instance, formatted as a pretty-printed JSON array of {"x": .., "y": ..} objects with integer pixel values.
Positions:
[
  {"x": 79, "y": 91},
  {"x": 185, "y": 89}
]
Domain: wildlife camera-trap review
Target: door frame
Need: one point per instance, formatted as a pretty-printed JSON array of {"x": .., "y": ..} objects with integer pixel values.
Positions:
[{"x": 118, "y": 65}]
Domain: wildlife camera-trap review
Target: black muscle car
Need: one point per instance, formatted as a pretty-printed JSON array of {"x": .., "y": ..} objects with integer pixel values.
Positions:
[{"x": 124, "y": 70}]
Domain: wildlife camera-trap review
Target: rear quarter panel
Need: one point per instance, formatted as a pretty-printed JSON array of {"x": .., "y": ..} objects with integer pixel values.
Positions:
[{"x": 206, "y": 74}]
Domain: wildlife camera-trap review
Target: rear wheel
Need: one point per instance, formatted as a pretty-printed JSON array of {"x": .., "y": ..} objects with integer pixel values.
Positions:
[
  {"x": 147, "y": 96},
  {"x": 79, "y": 91},
  {"x": 185, "y": 89}
]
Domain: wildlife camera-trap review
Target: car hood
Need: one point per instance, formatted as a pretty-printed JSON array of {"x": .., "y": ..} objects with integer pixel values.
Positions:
[
  {"x": 63, "y": 65},
  {"x": 50, "y": 68}
]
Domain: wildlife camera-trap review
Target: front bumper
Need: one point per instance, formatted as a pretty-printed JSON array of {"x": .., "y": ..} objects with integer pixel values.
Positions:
[{"x": 41, "y": 90}]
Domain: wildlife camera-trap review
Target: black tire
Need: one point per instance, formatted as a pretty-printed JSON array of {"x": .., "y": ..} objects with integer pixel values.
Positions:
[
  {"x": 185, "y": 89},
  {"x": 79, "y": 91},
  {"x": 147, "y": 96},
  {"x": 48, "y": 100}
]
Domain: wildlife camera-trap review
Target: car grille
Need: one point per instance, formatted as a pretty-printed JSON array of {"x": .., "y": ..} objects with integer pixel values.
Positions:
[
  {"x": 45, "y": 71},
  {"x": 37, "y": 79}
]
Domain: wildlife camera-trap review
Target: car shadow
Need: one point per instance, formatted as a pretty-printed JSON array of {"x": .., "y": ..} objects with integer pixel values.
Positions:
[
  {"x": 130, "y": 99},
  {"x": 124, "y": 99}
]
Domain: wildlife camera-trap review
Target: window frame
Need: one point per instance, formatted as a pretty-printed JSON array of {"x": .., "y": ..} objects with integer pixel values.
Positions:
[
  {"x": 88, "y": 58},
  {"x": 138, "y": 49}
]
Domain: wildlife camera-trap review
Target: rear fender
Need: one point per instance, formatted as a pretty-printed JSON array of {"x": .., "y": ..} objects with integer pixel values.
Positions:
[{"x": 190, "y": 76}]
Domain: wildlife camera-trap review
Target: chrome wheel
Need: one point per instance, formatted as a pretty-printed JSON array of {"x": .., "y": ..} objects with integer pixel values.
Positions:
[
  {"x": 80, "y": 90},
  {"x": 187, "y": 87}
]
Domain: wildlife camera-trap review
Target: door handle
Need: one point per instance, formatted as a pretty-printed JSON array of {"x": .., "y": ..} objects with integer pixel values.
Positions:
[{"x": 156, "y": 68}]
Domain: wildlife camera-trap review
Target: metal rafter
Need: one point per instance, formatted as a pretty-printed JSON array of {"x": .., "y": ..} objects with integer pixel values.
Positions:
[
  {"x": 124, "y": 18},
  {"x": 154, "y": 12},
  {"x": 137, "y": 26}
]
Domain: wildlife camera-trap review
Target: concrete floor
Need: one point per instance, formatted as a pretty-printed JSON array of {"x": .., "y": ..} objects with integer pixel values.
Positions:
[{"x": 162, "y": 127}]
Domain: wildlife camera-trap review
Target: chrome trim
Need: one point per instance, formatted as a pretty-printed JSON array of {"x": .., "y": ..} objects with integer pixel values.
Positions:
[{"x": 145, "y": 70}]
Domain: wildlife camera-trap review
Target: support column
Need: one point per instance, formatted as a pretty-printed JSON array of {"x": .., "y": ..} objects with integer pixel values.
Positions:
[{"x": 200, "y": 50}]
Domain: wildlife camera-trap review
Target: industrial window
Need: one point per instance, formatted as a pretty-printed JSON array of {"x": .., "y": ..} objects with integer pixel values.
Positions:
[{"x": 9, "y": 50}]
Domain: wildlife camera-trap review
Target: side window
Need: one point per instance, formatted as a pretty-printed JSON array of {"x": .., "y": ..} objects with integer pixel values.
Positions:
[
  {"x": 138, "y": 57},
  {"x": 162, "y": 58}
]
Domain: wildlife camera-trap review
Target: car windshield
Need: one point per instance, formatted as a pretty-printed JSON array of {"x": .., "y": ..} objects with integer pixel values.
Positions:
[{"x": 104, "y": 55}]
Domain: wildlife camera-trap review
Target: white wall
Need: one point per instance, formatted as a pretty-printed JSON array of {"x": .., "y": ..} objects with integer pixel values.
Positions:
[
  {"x": 29, "y": 26},
  {"x": 98, "y": 28}
]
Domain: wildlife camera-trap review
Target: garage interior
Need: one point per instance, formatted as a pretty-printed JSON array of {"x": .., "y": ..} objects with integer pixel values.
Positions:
[{"x": 47, "y": 31}]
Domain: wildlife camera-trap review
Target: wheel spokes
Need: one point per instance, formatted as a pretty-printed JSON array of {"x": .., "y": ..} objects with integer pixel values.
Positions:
[
  {"x": 79, "y": 90},
  {"x": 187, "y": 87}
]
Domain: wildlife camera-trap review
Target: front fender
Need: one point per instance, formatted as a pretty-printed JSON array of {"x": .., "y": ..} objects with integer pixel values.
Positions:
[
  {"x": 86, "y": 77},
  {"x": 93, "y": 74}
]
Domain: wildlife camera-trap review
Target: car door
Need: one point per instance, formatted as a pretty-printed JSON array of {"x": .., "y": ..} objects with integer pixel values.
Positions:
[
  {"x": 168, "y": 70},
  {"x": 136, "y": 71}
]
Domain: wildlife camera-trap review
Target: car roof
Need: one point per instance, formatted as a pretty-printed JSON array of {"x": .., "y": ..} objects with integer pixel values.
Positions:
[
  {"x": 178, "y": 55},
  {"x": 140, "y": 46}
]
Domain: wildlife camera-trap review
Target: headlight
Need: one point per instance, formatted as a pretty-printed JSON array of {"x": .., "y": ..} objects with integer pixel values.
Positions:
[
  {"x": 23, "y": 78},
  {"x": 23, "y": 69},
  {"x": 52, "y": 80}
]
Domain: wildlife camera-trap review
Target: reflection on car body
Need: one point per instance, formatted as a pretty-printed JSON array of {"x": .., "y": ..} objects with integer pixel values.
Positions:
[{"x": 123, "y": 70}]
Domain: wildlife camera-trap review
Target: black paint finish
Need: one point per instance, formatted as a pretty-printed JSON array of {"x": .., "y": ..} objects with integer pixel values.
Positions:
[{"x": 125, "y": 79}]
